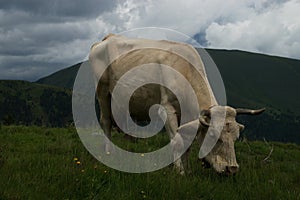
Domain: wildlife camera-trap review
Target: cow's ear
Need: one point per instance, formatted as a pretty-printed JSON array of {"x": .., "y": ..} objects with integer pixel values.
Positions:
[{"x": 204, "y": 118}]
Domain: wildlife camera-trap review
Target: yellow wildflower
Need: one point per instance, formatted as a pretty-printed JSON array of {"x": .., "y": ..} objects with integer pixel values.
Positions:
[{"x": 143, "y": 193}]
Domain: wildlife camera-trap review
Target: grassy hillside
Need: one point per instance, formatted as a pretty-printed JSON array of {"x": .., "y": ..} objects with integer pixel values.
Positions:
[
  {"x": 41, "y": 163},
  {"x": 29, "y": 103}
]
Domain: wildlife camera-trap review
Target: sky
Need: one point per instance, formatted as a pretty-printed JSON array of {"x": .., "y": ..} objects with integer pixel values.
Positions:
[{"x": 39, "y": 37}]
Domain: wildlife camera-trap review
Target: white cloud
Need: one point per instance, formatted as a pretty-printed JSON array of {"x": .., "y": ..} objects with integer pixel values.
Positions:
[
  {"x": 266, "y": 26},
  {"x": 276, "y": 31}
]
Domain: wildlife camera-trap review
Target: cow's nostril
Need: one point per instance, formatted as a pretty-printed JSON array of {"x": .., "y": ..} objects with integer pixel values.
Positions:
[{"x": 232, "y": 169}]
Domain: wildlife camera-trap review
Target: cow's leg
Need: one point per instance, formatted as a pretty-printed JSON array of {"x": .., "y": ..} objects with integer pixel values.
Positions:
[
  {"x": 185, "y": 162},
  {"x": 177, "y": 147},
  {"x": 104, "y": 100},
  {"x": 171, "y": 126}
]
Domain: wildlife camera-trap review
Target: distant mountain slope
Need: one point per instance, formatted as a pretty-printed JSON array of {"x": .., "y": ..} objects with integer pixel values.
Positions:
[
  {"x": 64, "y": 78},
  {"x": 29, "y": 103},
  {"x": 251, "y": 80},
  {"x": 259, "y": 80}
]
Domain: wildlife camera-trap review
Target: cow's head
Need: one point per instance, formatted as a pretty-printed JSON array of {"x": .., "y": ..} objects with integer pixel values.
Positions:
[{"x": 219, "y": 122}]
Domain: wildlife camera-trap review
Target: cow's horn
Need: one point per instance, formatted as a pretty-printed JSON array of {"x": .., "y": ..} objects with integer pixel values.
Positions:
[
  {"x": 203, "y": 122},
  {"x": 249, "y": 111},
  {"x": 204, "y": 113}
]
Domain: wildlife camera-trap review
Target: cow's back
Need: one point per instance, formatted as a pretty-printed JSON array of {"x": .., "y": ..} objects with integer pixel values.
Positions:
[{"x": 122, "y": 54}]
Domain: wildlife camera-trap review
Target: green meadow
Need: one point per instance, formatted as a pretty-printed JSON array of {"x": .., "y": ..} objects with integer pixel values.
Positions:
[{"x": 52, "y": 163}]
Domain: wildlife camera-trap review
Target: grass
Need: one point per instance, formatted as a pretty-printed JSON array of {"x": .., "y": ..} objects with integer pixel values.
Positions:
[{"x": 51, "y": 163}]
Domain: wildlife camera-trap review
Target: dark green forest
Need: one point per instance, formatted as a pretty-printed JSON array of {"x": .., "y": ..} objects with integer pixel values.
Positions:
[{"x": 25, "y": 103}]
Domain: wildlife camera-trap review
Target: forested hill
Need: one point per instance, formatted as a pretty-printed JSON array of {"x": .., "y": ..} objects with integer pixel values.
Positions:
[{"x": 29, "y": 103}]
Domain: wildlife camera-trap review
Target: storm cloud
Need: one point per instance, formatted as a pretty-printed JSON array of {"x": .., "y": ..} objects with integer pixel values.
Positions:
[{"x": 39, "y": 37}]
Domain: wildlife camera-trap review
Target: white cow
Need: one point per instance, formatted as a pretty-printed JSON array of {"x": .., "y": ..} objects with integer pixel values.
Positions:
[{"x": 123, "y": 54}]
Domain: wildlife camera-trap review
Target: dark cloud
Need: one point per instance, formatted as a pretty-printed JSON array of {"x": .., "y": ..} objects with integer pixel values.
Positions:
[
  {"x": 38, "y": 37},
  {"x": 24, "y": 68},
  {"x": 59, "y": 8}
]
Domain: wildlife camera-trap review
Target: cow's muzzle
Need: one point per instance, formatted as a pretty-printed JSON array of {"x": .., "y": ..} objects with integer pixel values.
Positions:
[{"x": 231, "y": 170}]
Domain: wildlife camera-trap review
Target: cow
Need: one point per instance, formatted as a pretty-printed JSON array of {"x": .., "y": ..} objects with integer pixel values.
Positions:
[{"x": 110, "y": 51}]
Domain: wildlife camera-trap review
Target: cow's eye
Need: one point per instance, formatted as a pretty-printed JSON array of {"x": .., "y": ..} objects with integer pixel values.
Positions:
[
  {"x": 227, "y": 126},
  {"x": 220, "y": 141}
]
